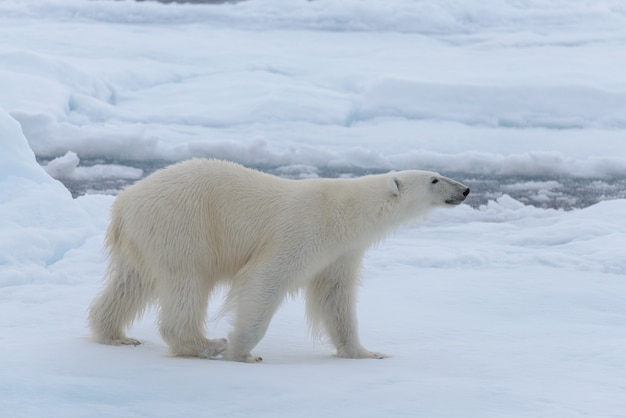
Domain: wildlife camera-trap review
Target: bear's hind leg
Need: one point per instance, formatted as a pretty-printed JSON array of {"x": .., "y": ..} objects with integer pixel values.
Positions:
[
  {"x": 331, "y": 306},
  {"x": 183, "y": 305},
  {"x": 123, "y": 299},
  {"x": 256, "y": 301}
]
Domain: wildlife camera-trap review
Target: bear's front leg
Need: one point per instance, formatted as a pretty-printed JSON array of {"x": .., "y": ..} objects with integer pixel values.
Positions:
[{"x": 331, "y": 305}]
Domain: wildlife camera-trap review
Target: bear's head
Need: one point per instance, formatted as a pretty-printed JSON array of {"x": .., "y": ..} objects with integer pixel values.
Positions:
[{"x": 417, "y": 192}]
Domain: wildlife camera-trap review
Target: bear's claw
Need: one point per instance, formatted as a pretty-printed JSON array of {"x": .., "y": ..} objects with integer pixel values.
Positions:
[
  {"x": 214, "y": 348},
  {"x": 125, "y": 341}
]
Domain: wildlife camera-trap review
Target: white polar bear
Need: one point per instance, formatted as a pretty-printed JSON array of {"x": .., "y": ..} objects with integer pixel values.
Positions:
[{"x": 181, "y": 231}]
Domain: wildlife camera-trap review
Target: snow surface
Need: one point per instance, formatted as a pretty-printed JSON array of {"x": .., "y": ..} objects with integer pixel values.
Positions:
[{"x": 505, "y": 310}]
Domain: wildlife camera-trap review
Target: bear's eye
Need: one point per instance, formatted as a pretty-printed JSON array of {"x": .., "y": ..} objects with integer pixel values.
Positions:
[{"x": 434, "y": 181}]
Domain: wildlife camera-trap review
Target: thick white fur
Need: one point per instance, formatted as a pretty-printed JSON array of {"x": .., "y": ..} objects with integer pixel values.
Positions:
[{"x": 181, "y": 231}]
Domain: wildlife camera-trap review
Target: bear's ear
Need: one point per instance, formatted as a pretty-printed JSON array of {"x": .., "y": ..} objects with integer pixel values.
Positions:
[{"x": 394, "y": 186}]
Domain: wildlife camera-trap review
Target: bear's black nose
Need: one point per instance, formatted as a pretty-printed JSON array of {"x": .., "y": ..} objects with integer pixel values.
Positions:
[{"x": 466, "y": 192}]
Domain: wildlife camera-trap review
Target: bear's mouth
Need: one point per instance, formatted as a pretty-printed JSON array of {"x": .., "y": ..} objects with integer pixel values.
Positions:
[
  {"x": 454, "y": 202},
  {"x": 458, "y": 199}
]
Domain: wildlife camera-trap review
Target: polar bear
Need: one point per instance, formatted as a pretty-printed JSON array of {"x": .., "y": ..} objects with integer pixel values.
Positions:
[{"x": 181, "y": 231}]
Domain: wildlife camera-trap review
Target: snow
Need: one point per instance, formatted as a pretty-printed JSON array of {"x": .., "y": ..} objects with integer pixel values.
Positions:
[
  {"x": 357, "y": 83},
  {"x": 501, "y": 309},
  {"x": 66, "y": 167}
]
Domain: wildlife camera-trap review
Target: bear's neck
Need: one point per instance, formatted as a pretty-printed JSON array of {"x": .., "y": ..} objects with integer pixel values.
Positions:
[{"x": 359, "y": 211}]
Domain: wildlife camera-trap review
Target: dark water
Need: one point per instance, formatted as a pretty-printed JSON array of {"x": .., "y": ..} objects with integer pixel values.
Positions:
[{"x": 557, "y": 193}]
